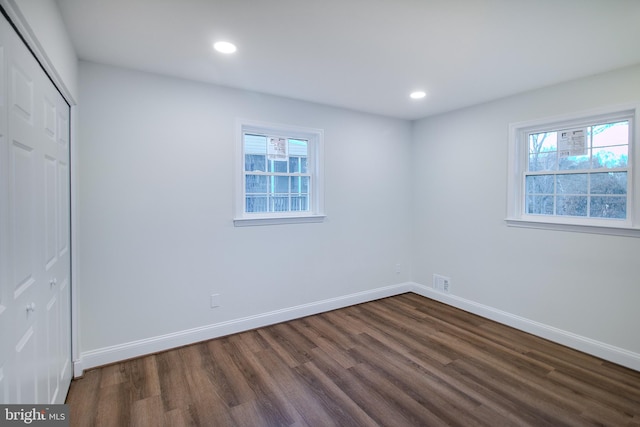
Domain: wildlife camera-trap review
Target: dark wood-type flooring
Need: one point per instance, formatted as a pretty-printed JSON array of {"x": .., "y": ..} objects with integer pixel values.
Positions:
[{"x": 400, "y": 361}]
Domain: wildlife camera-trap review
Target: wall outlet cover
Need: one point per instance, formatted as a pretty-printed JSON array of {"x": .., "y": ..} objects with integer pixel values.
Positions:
[{"x": 215, "y": 300}]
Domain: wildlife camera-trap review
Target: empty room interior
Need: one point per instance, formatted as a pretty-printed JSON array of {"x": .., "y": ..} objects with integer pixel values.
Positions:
[{"x": 461, "y": 171}]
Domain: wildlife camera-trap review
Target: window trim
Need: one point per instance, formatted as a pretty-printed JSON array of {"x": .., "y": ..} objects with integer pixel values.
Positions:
[
  {"x": 517, "y": 163},
  {"x": 315, "y": 163}
]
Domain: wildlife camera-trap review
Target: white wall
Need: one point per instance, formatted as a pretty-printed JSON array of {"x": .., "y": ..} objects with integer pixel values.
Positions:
[
  {"x": 156, "y": 209},
  {"x": 582, "y": 284}
]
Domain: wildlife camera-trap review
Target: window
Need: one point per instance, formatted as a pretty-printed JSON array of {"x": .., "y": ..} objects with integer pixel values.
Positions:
[
  {"x": 575, "y": 173},
  {"x": 280, "y": 178}
]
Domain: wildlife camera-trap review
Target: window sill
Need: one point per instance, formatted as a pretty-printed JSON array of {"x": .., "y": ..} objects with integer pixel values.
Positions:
[
  {"x": 277, "y": 220},
  {"x": 579, "y": 228}
]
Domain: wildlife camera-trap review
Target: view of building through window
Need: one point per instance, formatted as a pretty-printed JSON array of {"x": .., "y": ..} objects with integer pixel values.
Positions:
[{"x": 276, "y": 175}]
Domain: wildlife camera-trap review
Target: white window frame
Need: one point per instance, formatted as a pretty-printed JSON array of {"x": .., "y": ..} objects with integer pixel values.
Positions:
[
  {"x": 315, "y": 167},
  {"x": 518, "y": 157}
]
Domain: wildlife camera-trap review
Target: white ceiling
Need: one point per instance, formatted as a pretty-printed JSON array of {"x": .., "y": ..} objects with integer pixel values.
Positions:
[{"x": 365, "y": 55}]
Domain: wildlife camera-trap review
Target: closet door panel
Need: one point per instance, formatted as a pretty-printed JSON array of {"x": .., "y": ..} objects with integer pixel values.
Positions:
[
  {"x": 26, "y": 187},
  {"x": 27, "y": 376}
]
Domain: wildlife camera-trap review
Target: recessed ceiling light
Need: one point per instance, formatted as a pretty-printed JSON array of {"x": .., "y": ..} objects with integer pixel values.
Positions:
[
  {"x": 418, "y": 94},
  {"x": 224, "y": 47}
]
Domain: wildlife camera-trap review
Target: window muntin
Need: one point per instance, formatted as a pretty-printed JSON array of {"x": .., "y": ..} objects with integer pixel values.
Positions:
[
  {"x": 276, "y": 181},
  {"x": 585, "y": 184},
  {"x": 280, "y": 177},
  {"x": 579, "y": 172}
]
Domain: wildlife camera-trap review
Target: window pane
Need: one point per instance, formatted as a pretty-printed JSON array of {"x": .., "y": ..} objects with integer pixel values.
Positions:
[
  {"x": 543, "y": 142},
  {"x": 572, "y": 184},
  {"x": 538, "y": 184},
  {"x": 256, "y": 204},
  {"x": 255, "y": 144},
  {"x": 300, "y": 203},
  {"x": 255, "y": 163},
  {"x": 573, "y": 162},
  {"x": 294, "y": 164},
  {"x": 298, "y": 147},
  {"x": 543, "y": 151},
  {"x": 609, "y": 183},
  {"x": 280, "y": 184},
  {"x": 279, "y": 203},
  {"x": 278, "y": 166},
  {"x": 571, "y": 205},
  {"x": 609, "y": 207},
  {"x": 540, "y": 205},
  {"x": 546, "y": 161},
  {"x": 305, "y": 184},
  {"x": 611, "y": 157},
  {"x": 256, "y": 184},
  {"x": 611, "y": 134},
  {"x": 303, "y": 165}
]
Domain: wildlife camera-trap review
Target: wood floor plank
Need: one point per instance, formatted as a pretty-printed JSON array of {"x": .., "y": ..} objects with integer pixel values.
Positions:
[
  {"x": 272, "y": 405},
  {"x": 343, "y": 409},
  {"x": 147, "y": 412},
  {"x": 174, "y": 389},
  {"x": 292, "y": 346},
  {"x": 370, "y": 399},
  {"x": 304, "y": 400},
  {"x": 83, "y": 398},
  {"x": 143, "y": 375},
  {"x": 458, "y": 410},
  {"x": 436, "y": 383},
  {"x": 114, "y": 405},
  {"x": 322, "y": 341},
  {"x": 206, "y": 406},
  {"x": 225, "y": 375},
  {"x": 400, "y": 406},
  {"x": 399, "y": 361},
  {"x": 424, "y": 345},
  {"x": 180, "y": 417}
]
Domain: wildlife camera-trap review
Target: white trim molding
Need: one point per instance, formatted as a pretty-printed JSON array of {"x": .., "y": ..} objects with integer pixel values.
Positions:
[
  {"x": 587, "y": 345},
  {"x": 116, "y": 353},
  {"x": 302, "y": 219},
  {"x": 111, "y": 354},
  {"x": 593, "y": 229}
]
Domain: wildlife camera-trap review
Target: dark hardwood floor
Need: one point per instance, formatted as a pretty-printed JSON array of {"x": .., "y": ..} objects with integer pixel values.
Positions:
[{"x": 399, "y": 361}]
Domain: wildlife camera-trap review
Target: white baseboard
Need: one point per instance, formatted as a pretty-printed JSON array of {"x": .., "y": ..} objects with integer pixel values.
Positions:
[
  {"x": 599, "y": 349},
  {"x": 116, "y": 353}
]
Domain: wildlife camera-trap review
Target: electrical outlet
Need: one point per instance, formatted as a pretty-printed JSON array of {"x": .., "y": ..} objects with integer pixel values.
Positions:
[
  {"x": 398, "y": 268},
  {"x": 215, "y": 300}
]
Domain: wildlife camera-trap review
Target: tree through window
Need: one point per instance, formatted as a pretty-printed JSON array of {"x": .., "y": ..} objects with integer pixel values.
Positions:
[
  {"x": 580, "y": 172},
  {"x": 576, "y": 173}
]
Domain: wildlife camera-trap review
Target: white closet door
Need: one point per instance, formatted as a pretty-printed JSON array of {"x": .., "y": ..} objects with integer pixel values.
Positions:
[{"x": 35, "y": 348}]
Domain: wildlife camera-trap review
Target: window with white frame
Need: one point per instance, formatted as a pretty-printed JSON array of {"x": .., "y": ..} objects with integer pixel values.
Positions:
[
  {"x": 575, "y": 173},
  {"x": 280, "y": 178}
]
